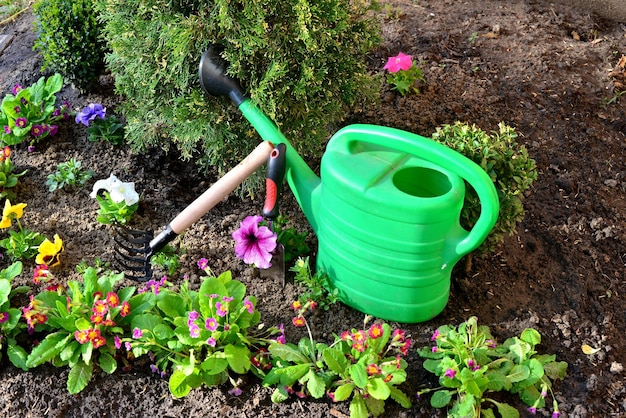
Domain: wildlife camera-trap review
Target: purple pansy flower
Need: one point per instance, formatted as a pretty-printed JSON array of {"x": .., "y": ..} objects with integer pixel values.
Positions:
[
  {"x": 254, "y": 244},
  {"x": 91, "y": 112}
]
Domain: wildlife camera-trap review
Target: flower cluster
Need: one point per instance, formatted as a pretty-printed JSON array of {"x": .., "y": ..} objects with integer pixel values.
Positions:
[
  {"x": 32, "y": 111},
  {"x": 34, "y": 313},
  {"x": 403, "y": 73},
  {"x": 103, "y": 312},
  {"x": 253, "y": 243},
  {"x": 468, "y": 361}
]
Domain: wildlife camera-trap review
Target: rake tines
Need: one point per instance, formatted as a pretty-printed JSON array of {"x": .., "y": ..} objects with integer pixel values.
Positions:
[{"x": 133, "y": 251}]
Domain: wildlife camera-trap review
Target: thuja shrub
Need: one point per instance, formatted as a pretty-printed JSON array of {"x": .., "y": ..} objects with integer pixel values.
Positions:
[
  {"x": 301, "y": 62},
  {"x": 68, "y": 38},
  {"x": 505, "y": 161}
]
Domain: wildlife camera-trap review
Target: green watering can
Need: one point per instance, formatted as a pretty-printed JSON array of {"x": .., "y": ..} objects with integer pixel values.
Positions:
[{"x": 385, "y": 210}]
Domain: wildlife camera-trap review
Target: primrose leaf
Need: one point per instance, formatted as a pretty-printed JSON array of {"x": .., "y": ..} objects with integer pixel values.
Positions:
[
  {"x": 107, "y": 363},
  {"x": 400, "y": 397},
  {"x": 172, "y": 304},
  {"x": 288, "y": 352},
  {"x": 315, "y": 384},
  {"x": 214, "y": 365},
  {"x": 280, "y": 395},
  {"x": 18, "y": 356},
  {"x": 79, "y": 377},
  {"x": 48, "y": 348},
  {"x": 343, "y": 392},
  {"x": 178, "y": 385},
  {"x": 335, "y": 360},
  {"x": 376, "y": 407},
  {"x": 358, "y": 375},
  {"x": 378, "y": 389},
  {"x": 506, "y": 410},
  {"x": 531, "y": 336},
  {"x": 518, "y": 373},
  {"x": 5, "y": 290},
  {"x": 358, "y": 409},
  {"x": 238, "y": 358},
  {"x": 441, "y": 398}
]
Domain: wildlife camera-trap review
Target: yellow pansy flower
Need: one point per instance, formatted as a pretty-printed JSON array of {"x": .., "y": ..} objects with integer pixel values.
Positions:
[
  {"x": 49, "y": 251},
  {"x": 16, "y": 210}
]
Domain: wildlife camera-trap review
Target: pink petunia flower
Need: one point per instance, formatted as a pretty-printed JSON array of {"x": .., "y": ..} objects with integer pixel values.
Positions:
[
  {"x": 399, "y": 62},
  {"x": 254, "y": 244}
]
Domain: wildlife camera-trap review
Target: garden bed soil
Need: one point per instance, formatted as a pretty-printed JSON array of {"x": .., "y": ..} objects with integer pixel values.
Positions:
[{"x": 551, "y": 71}]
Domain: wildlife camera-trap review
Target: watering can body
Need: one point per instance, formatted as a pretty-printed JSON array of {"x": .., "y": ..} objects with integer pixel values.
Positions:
[
  {"x": 386, "y": 212},
  {"x": 386, "y": 209}
]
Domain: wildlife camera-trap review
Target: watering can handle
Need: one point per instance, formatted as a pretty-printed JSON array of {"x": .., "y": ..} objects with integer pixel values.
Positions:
[{"x": 444, "y": 157}]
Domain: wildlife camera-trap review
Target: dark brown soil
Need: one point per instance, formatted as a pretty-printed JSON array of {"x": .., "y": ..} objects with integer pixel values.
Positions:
[{"x": 546, "y": 69}]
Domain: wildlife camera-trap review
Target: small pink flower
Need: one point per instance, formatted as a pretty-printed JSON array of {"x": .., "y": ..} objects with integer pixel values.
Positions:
[
  {"x": 210, "y": 324},
  {"x": 450, "y": 373},
  {"x": 298, "y": 321},
  {"x": 211, "y": 341},
  {"x": 399, "y": 62},
  {"x": 137, "y": 333},
  {"x": 435, "y": 335},
  {"x": 117, "y": 341},
  {"x": 203, "y": 263},
  {"x": 249, "y": 306},
  {"x": 194, "y": 331},
  {"x": 235, "y": 391},
  {"x": 4, "y": 317},
  {"x": 222, "y": 309}
]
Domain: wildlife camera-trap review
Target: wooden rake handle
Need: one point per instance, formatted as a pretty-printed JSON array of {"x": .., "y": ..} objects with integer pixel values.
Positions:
[{"x": 222, "y": 188}]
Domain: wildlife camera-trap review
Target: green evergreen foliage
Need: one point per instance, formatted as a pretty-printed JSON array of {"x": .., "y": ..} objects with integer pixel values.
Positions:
[
  {"x": 68, "y": 38},
  {"x": 301, "y": 62},
  {"x": 507, "y": 163}
]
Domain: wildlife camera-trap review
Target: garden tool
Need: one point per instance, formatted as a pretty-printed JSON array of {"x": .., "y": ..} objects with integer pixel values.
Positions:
[
  {"x": 274, "y": 177},
  {"x": 385, "y": 208},
  {"x": 135, "y": 248}
]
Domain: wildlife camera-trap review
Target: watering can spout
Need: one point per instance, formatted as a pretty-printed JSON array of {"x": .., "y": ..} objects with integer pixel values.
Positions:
[{"x": 303, "y": 182}]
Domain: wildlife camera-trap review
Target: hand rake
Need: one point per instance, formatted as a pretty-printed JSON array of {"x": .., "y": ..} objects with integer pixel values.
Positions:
[{"x": 135, "y": 248}]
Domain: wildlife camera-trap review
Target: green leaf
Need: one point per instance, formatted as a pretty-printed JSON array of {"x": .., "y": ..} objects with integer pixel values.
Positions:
[
  {"x": 107, "y": 363},
  {"x": 441, "y": 398},
  {"x": 335, "y": 360},
  {"x": 214, "y": 365},
  {"x": 163, "y": 332},
  {"x": 178, "y": 385},
  {"x": 531, "y": 336},
  {"x": 280, "y": 395},
  {"x": 290, "y": 374},
  {"x": 17, "y": 356},
  {"x": 506, "y": 410},
  {"x": 374, "y": 406},
  {"x": 358, "y": 373},
  {"x": 12, "y": 271},
  {"x": 146, "y": 321},
  {"x": 518, "y": 373},
  {"x": 316, "y": 385},
  {"x": 5, "y": 291},
  {"x": 210, "y": 286},
  {"x": 400, "y": 397},
  {"x": 172, "y": 304},
  {"x": 79, "y": 377},
  {"x": 50, "y": 347},
  {"x": 139, "y": 305},
  {"x": 238, "y": 358},
  {"x": 288, "y": 352},
  {"x": 344, "y": 391},
  {"x": 378, "y": 389},
  {"x": 68, "y": 352},
  {"x": 556, "y": 370},
  {"x": 357, "y": 407}
]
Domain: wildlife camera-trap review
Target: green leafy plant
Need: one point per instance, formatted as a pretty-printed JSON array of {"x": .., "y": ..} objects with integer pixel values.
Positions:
[
  {"x": 505, "y": 161},
  {"x": 166, "y": 259},
  {"x": 363, "y": 366},
  {"x": 69, "y": 40},
  {"x": 109, "y": 129},
  {"x": 470, "y": 365},
  {"x": 21, "y": 243},
  {"x": 118, "y": 200},
  {"x": 69, "y": 174},
  {"x": 8, "y": 177},
  {"x": 83, "y": 325},
  {"x": 10, "y": 325},
  {"x": 293, "y": 241},
  {"x": 31, "y": 112},
  {"x": 318, "y": 285},
  {"x": 403, "y": 74},
  {"x": 198, "y": 337},
  {"x": 302, "y": 63}
]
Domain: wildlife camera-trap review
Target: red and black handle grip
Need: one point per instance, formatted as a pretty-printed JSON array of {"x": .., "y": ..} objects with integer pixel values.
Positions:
[{"x": 276, "y": 165}]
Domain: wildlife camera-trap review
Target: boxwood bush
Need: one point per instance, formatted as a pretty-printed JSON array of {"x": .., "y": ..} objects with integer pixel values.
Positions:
[
  {"x": 68, "y": 38},
  {"x": 302, "y": 62},
  {"x": 505, "y": 161}
]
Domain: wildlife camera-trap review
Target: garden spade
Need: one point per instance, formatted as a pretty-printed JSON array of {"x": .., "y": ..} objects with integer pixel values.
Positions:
[
  {"x": 135, "y": 248},
  {"x": 275, "y": 175}
]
